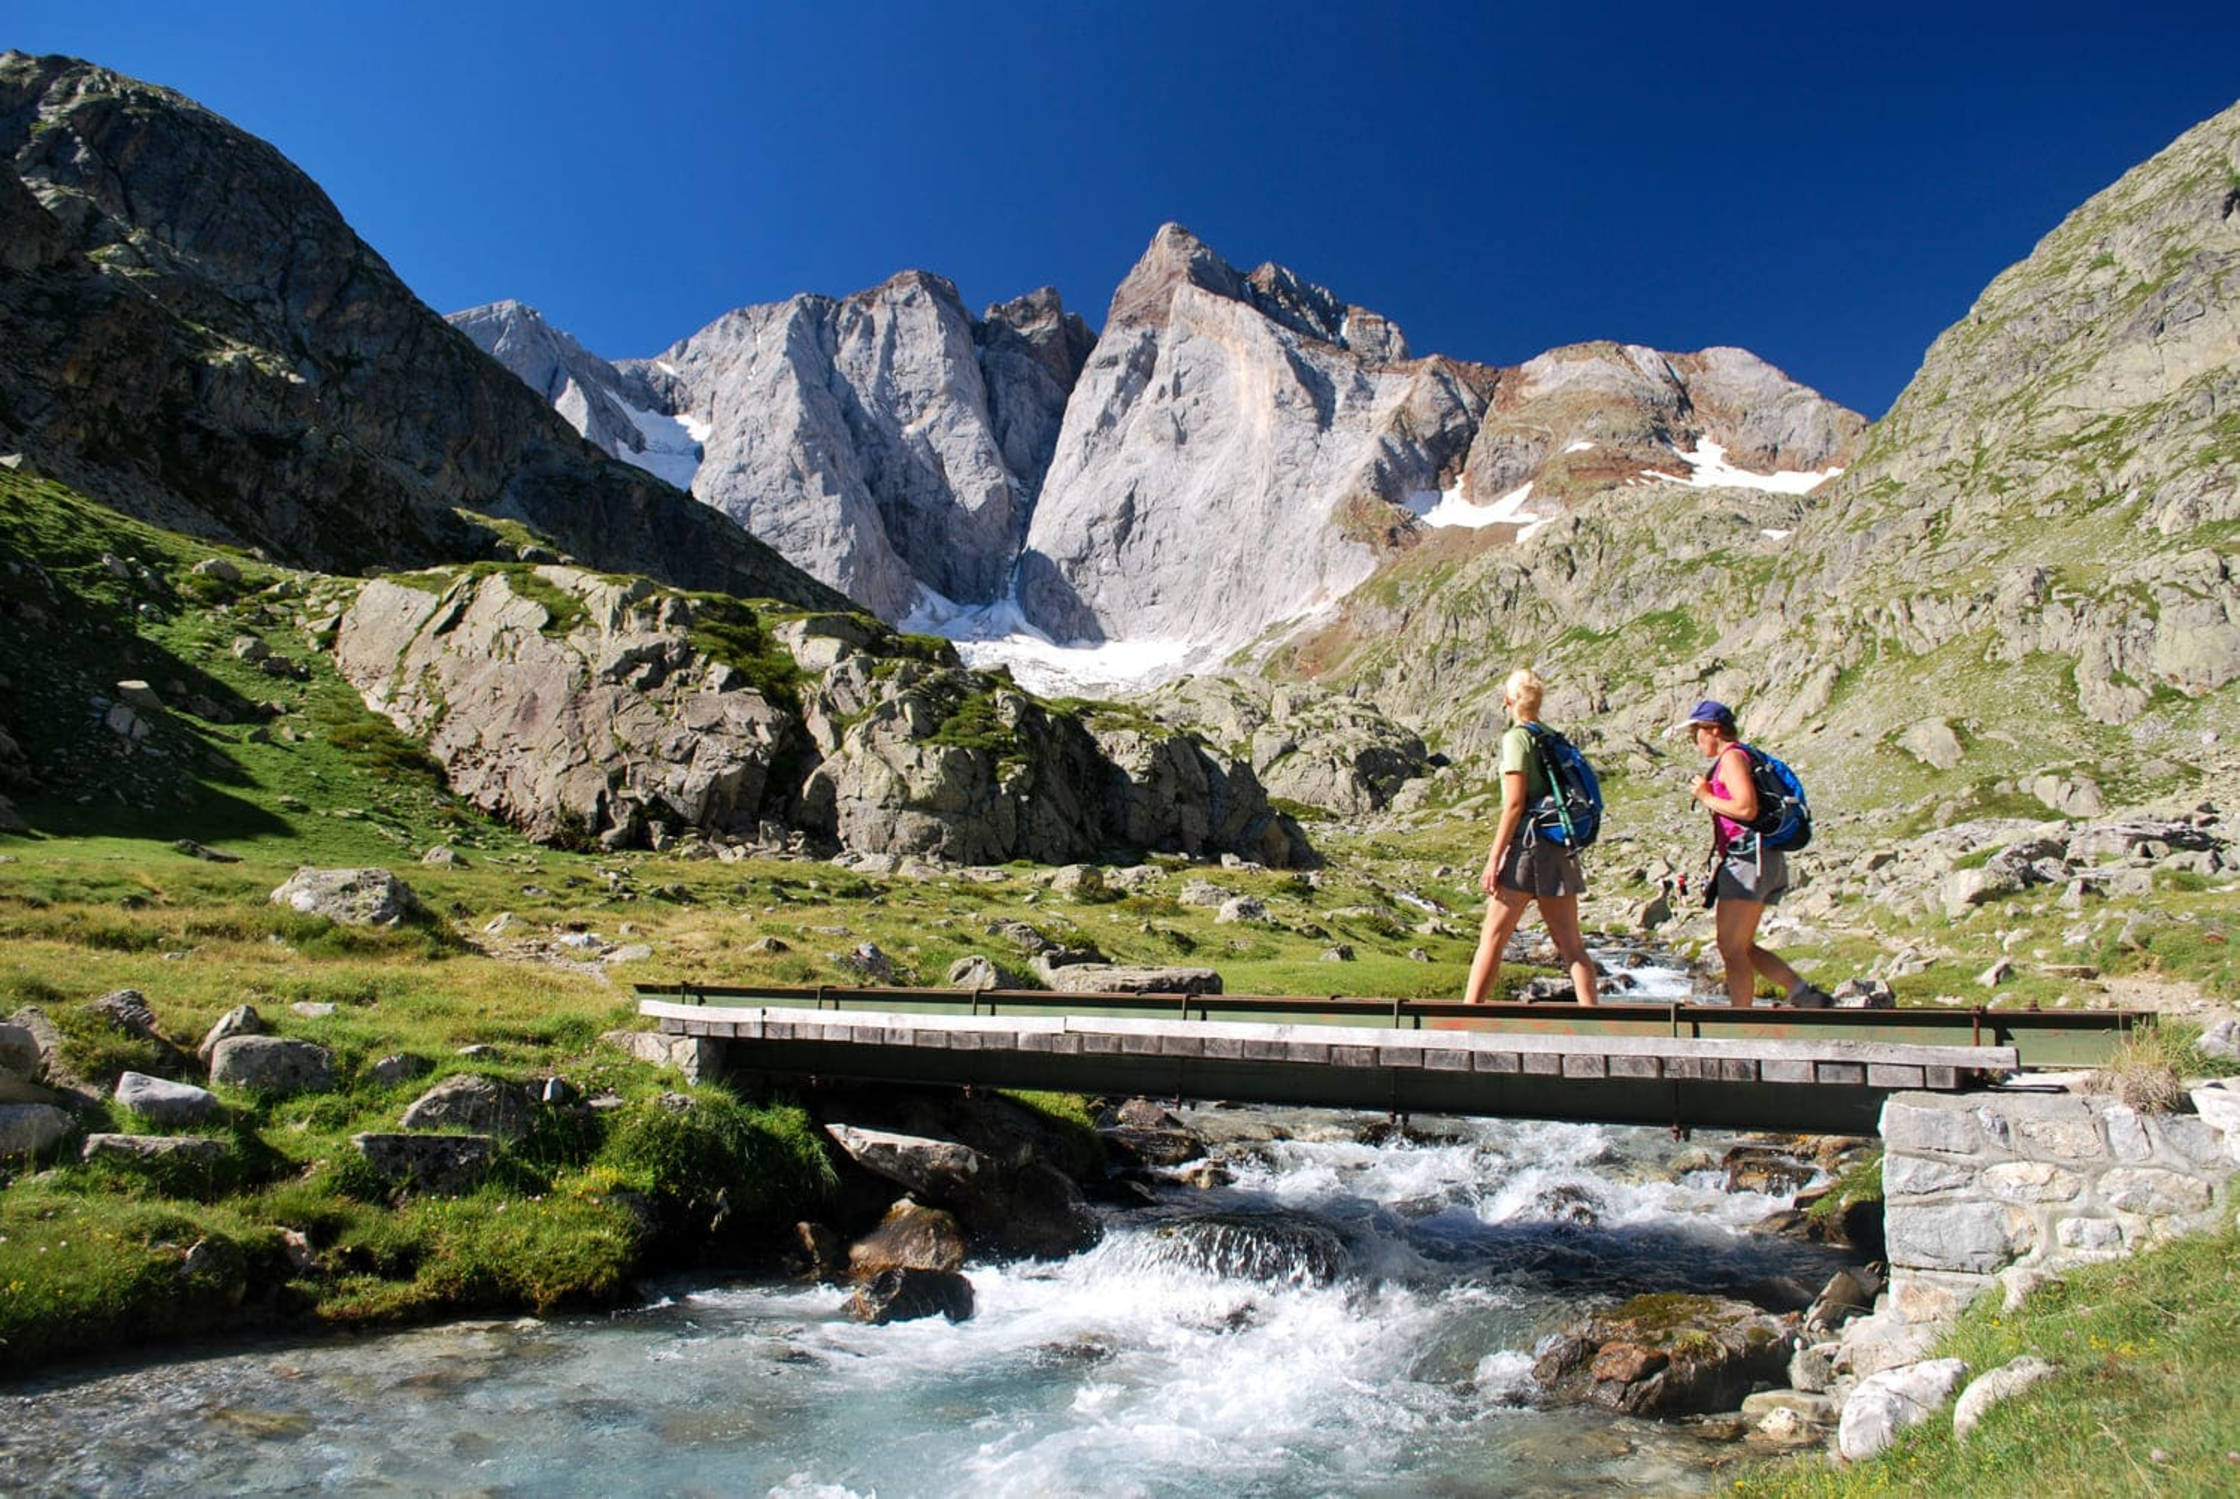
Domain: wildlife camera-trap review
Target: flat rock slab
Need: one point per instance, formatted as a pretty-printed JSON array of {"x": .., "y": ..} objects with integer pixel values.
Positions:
[
  {"x": 161, "y": 1101},
  {"x": 198, "y": 1150}
]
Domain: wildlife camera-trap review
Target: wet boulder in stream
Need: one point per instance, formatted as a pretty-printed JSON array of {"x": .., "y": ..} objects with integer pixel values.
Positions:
[
  {"x": 902, "y": 1294},
  {"x": 1667, "y": 1355}
]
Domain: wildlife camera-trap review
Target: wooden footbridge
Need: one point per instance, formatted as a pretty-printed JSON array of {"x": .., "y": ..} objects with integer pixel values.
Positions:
[{"x": 1684, "y": 1065}]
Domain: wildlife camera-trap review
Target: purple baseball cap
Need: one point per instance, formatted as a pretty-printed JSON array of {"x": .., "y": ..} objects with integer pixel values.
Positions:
[{"x": 1709, "y": 711}]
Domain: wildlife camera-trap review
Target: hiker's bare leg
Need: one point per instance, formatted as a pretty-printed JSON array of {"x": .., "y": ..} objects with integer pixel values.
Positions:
[
  {"x": 1561, "y": 913},
  {"x": 1735, "y": 926},
  {"x": 1504, "y": 909}
]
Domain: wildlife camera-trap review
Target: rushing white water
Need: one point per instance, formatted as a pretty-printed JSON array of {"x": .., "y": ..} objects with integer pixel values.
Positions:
[{"x": 1339, "y": 1317}]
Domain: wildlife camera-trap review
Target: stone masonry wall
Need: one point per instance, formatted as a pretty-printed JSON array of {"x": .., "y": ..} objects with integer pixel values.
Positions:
[{"x": 1980, "y": 1185}]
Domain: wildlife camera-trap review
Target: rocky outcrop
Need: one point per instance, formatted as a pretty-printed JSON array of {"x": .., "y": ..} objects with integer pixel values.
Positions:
[
  {"x": 575, "y": 707},
  {"x": 1304, "y": 744},
  {"x": 591, "y": 710},
  {"x": 263, "y": 376}
]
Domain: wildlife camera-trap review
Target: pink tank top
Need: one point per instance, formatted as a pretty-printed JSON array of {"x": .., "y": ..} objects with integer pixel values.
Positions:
[{"x": 1724, "y": 829}]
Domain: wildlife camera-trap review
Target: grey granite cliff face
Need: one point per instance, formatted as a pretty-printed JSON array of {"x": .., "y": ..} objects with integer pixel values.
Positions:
[
  {"x": 1229, "y": 459},
  {"x": 193, "y": 334},
  {"x": 887, "y": 442}
]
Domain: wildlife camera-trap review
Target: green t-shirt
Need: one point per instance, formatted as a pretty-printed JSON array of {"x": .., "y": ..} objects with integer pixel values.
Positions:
[{"x": 1517, "y": 753}]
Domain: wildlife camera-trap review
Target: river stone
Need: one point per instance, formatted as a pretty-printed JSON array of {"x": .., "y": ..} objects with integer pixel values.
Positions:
[
  {"x": 31, "y": 1129},
  {"x": 1667, "y": 1355},
  {"x": 911, "y": 1237},
  {"x": 474, "y": 1105},
  {"x": 1885, "y": 1404},
  {"x": 1266, "y": 1248},
  {"x": 905, "y": 1295},
  {"x": 349, "y": 897},
  {"x": 199, "y": 1150},
  {"x": 934, "y": 1169},
  {"x": 241, "y": 1020},
  {"x": 272, "y": 1064},
  {"x": 164, "y": 1102},
  {"x": 443, "y": 1164}
]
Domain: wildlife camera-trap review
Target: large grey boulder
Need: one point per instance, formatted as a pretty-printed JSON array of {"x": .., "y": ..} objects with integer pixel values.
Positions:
[
  {"x": 590, "y": 718},
  {"x": 474, "y": 1105},
  {"x": 1884, "y": 1404},
  {"x": 1114, "y": 978},
  {"x": 349, "y": 897},
  {"x": 30, "y": 1130},
  {"x": 161, "y": 1101},
  {"x": 271, "y": 1064},
  {"x": 935, "y": 1170}
]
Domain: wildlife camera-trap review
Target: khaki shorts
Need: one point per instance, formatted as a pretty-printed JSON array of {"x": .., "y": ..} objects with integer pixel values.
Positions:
[
  {"x": 1538, "y": 869},
  {"x": 1759, "y": 876}
]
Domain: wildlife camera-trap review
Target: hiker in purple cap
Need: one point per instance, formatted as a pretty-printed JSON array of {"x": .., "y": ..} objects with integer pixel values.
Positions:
[{"x": 1746, "y": 877}]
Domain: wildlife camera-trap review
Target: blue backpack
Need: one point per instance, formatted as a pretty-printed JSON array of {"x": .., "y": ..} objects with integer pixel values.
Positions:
[
  {"x": 1784, "y": 819},
  {"x": 1571, "y": 812}
]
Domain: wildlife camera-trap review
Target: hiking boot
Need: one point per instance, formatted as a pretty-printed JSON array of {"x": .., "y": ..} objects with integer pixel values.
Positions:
[{"x": 1811, "y": 997}]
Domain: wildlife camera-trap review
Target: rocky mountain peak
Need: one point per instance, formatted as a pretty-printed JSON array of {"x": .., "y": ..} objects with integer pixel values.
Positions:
[
  {"x": 265, "y": 377},
  {"x": 1176, "y": 258}
]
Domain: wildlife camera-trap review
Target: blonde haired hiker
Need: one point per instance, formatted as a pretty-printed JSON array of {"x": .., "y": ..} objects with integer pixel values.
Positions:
[
  {"x": 1746, "y": 877},
  {"x": 1523, "y": 869}
]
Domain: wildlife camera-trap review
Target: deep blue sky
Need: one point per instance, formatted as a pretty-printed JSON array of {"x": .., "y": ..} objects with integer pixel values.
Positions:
[{"x": 1829, "y": 186}]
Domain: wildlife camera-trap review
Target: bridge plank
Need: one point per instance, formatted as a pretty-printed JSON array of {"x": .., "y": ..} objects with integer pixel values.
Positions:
[{"x": 1357, "y": 1048}]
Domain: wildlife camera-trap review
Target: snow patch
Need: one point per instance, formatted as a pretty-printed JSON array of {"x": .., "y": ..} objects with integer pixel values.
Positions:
[
  {"x": 672, "y": 445},
  {"x": 997, "y": 634},
  {"x": 1449, "y": 508},
  {"x": 1709, "y": 469},
  {"x": 1581, "y": 446}
]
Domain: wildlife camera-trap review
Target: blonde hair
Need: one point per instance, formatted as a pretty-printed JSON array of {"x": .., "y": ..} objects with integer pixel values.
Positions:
[{"x": 1524, "y": 689}]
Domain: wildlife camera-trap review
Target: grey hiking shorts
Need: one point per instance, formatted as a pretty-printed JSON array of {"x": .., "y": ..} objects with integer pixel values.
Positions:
[
  {"x": 1759, "y": 875},
  {"x": 1539, "y": 869}
]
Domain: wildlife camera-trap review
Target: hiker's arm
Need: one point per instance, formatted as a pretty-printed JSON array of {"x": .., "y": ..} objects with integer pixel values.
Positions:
[
  {"x": 1740, "y": 804},
  {"x": 1512, "y": 820}
]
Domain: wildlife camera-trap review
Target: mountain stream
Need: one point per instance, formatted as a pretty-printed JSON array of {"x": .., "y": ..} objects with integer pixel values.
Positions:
[{"x": 1352, "y": 1311}]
